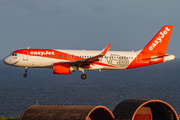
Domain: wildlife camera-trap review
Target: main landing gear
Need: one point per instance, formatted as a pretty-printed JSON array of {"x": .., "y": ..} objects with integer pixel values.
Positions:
[
  {"x": 83, "y": 76},
  {"x": 26, "y": 70}
]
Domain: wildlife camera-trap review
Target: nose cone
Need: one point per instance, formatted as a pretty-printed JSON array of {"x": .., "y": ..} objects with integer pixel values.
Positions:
[{"x": 6, "y": 60}]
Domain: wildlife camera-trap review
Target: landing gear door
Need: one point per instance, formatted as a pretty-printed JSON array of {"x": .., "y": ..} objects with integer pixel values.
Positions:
[{"x": 25, "y": 55}]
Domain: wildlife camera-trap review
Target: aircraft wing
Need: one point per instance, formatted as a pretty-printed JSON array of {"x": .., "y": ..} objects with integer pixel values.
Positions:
[{"x": 86, "y": 62}]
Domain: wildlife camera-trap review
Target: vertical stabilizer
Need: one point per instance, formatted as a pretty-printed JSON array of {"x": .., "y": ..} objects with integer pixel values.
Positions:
[
  {"x": 160, "y": 41},
  {"x": 155, "y": 51}
]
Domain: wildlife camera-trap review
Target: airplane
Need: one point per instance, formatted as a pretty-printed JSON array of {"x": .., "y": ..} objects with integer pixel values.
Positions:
[{"x": 67, "y": 61}]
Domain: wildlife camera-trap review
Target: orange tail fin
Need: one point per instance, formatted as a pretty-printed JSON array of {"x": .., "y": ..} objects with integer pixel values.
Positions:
[{"x": 160, "y": 41}]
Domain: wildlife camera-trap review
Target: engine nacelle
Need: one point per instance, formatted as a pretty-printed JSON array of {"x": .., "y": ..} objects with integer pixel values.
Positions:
[{"x": 63, "y": 68}]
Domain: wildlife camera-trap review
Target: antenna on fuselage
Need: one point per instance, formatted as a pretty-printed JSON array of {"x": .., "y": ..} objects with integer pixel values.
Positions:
[{"x": 28, "y": 48}]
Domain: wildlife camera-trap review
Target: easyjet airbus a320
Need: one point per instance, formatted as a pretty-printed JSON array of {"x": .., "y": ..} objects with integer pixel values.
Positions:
[{"x": 67, "y": 61}]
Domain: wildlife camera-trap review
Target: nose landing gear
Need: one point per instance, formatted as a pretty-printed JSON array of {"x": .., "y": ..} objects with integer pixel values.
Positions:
[{"x": 26, "y": 70}]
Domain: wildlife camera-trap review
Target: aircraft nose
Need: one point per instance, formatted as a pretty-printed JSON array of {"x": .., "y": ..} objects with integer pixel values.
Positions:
[{"x": 5, "y": 60}]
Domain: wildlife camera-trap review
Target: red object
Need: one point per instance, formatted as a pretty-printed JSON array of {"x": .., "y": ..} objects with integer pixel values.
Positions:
[
  {"x": 61, "y": 68},
  {"x": 143, "y": 113}
]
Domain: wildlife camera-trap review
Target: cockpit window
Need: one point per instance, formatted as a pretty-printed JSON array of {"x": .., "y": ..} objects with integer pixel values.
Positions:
[{"x": 13, "y": 54}]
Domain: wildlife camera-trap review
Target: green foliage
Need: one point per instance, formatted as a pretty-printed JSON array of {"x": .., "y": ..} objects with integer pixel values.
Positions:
[
  {"x": 17, "y": 117},
  {"x": 9, "y": 118},
  {"x": 2, "y": 118}
]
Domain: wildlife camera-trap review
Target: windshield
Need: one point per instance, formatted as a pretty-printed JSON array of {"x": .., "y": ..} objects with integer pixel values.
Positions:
[{"x": 13, "y": 54}]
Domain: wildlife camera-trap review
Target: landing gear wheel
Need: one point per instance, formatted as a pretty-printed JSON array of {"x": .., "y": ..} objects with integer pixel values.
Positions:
[
  {"x": 25, "y": 75},
  {"x": 26, "y": 70},
  {"x": 83, "y": 76}
]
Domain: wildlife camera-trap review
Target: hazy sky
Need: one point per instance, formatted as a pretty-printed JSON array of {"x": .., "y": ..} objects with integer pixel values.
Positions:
[{"x": 86, "y": 24}]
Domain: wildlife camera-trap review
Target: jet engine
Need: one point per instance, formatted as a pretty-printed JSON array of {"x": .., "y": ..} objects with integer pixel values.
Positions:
[{"x": 63, "y": 68}]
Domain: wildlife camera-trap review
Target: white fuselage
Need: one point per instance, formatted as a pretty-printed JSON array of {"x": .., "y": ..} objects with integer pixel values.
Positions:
[{"x": 118, "y": 59}]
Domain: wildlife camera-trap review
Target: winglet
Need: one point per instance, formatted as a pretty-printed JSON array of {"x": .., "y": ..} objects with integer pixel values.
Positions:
[{"x": 105, "y": 50}]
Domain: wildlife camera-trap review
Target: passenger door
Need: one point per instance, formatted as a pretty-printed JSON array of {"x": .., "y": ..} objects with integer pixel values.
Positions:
[{"x": 25, "y": 55}]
